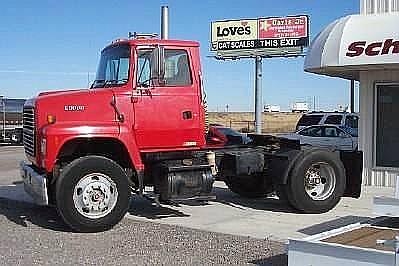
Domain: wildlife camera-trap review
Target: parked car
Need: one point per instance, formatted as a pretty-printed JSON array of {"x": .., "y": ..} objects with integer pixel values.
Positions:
[
  {"x": 330, "y": 136},
  {"x": 16, "y": 136},
  {"x": 220, "y": 135},
  {"x": 346, "y": 121}
]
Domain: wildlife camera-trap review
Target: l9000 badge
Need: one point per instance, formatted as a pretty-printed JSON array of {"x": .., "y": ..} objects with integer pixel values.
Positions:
[{"x": 74, "y": 108}]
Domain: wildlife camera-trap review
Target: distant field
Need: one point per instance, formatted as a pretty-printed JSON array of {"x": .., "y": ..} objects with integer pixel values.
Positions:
[{"x": 272, "y": 122}]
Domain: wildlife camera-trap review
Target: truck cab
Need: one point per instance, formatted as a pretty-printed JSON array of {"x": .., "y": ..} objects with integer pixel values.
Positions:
[{"x": 128, "y": 101}]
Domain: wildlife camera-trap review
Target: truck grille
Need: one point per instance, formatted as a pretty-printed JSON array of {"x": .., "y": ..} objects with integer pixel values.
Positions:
[{"x": 29, "y": 137}]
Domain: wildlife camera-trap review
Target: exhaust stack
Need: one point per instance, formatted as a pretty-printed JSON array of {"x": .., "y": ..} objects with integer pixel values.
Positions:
[{"x": 165, "y": 22}]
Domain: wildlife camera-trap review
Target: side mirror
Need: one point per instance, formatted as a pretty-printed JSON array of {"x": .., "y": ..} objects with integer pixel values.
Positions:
[{"x": 158, "y": 64}]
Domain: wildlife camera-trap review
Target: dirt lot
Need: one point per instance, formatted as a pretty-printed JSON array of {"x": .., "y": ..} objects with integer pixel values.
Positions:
[{"x": 272, "y": 122}]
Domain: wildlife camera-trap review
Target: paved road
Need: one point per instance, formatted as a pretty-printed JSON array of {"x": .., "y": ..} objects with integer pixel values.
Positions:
[
  {"x": 31, "y": 234},
  {"x": 250, "y": 221},
  {"x": 259, "y": 218}
]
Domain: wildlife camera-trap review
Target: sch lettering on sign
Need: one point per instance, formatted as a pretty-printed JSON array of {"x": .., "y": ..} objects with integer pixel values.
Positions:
[{"x": 359, "y": 48}]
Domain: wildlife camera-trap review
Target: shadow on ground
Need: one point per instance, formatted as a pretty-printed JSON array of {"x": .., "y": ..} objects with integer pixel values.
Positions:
[
  {"x": 276, "y": 260},
  {"x": 336, "y": 223},
  {"x": 143, "y": 207},
  {"x": 23, "y": 213},
  {"x": 225, "y": 196}
]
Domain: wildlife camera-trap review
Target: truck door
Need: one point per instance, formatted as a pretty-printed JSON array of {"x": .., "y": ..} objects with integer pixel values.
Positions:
[{"x": 167, "y": 114}]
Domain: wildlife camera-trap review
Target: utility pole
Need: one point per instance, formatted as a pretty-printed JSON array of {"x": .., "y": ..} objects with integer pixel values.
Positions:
[
  {"x": 352, "y": 103},
  {"x": 258, "y": 95},
  {"x": 3, "y": 101},
  {"x": 314, "y": 103}
]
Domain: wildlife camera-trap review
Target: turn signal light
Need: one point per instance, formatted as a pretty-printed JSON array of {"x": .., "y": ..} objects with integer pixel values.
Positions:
[{"x": 51, "y": 119}]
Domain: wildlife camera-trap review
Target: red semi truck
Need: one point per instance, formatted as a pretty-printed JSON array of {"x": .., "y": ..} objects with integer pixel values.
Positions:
[{"x": 143, "y": 123}]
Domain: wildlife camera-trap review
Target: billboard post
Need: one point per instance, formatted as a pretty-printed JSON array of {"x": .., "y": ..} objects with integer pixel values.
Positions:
[
  {"x": 258, "y": 95},
  {"x": 3, "y": 103}
]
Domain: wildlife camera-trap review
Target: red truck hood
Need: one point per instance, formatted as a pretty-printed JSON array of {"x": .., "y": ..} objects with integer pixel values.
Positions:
[
  {"x": 81, "y": 107},
  {"x": 60, "y": 91}
]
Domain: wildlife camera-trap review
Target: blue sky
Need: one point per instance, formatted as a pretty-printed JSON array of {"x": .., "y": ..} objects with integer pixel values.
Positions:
[{"x": 48, "y": 45}]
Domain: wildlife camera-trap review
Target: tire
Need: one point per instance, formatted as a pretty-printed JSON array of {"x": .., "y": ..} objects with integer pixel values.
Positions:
[
  {"x": 281, "y": 192},
  {"x": 92, "y": 194},
  {"x": 247, "y": 186},
  {"x": 327, "y": 168}
]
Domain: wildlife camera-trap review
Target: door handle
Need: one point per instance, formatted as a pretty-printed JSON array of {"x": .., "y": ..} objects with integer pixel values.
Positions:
[{"x": 187, "y": 115}]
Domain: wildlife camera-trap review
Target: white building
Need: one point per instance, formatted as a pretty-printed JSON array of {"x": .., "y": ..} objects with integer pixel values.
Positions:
[{"x": 365, "y": 47}]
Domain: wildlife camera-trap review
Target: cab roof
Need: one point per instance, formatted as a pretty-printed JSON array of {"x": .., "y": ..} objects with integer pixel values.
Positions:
[{"x": 138, "y": 42}]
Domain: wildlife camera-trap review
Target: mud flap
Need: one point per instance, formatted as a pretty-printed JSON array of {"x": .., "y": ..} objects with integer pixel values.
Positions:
[{"x": 353, "y": 163}]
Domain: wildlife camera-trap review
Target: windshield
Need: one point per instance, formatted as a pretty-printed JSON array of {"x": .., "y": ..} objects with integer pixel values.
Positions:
[{"x": 113, "y": 68}]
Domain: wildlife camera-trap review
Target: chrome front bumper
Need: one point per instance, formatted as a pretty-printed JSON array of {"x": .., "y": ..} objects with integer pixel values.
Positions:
[{"x": 34, "y": 184}]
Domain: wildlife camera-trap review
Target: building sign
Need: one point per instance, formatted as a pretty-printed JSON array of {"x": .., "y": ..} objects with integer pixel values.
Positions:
[
  {"x": 260, "y": 34},
  {"x": 373, "y": 49},
  {"x": 355, "y": 43}
]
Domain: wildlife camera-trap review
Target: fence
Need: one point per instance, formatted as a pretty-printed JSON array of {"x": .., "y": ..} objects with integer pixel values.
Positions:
[{"x": 244, "y": 121}]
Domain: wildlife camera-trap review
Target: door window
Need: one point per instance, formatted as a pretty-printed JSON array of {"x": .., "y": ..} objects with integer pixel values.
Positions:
[
  {"x": 177, "y": 68},
  {"x": 312, "y": 132},
  {"x": 330, "y": 132}
]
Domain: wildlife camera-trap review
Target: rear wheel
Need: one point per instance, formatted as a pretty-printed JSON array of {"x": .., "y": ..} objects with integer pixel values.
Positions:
[
  {"x": 281, "y": 192},
  {"x": 92, "y": 194},
  {"x": 316, "y": 183},
  {"x": 247, "y": 186}
]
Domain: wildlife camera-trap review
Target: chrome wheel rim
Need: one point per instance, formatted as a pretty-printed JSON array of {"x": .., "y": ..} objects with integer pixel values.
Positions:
[
  {"x": 320, "y": 181},
  {"x": 95, "y": 195}
]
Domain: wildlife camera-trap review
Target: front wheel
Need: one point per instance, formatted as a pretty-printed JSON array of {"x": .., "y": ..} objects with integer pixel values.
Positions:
[
  {"x": 317, "y": 182},
  {"x": 92, "y": 194}
]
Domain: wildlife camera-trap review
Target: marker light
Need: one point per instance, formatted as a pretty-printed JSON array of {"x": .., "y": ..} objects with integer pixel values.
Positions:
[{"x": 51, "y": 119}]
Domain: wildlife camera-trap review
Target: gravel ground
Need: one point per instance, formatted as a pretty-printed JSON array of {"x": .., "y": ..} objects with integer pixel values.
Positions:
[
  {"x": 10, "y": 156},
  {"x": 31, "y": 234}
]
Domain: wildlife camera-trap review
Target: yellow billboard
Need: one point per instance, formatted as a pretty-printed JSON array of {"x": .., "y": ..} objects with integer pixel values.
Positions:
[{"x": 233, "y": 30}]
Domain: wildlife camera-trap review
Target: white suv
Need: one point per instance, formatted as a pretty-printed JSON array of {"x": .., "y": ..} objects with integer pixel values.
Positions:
[{"x": 346, "y": 121}]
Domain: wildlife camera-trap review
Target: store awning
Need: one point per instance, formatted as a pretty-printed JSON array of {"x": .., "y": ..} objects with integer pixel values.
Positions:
[{"x": 355, "y": 43}]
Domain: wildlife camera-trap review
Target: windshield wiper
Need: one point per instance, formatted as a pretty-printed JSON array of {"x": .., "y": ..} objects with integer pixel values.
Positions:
[
  {"x": 96, "y": 81},
  {"x": 103, "y": 82}
]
